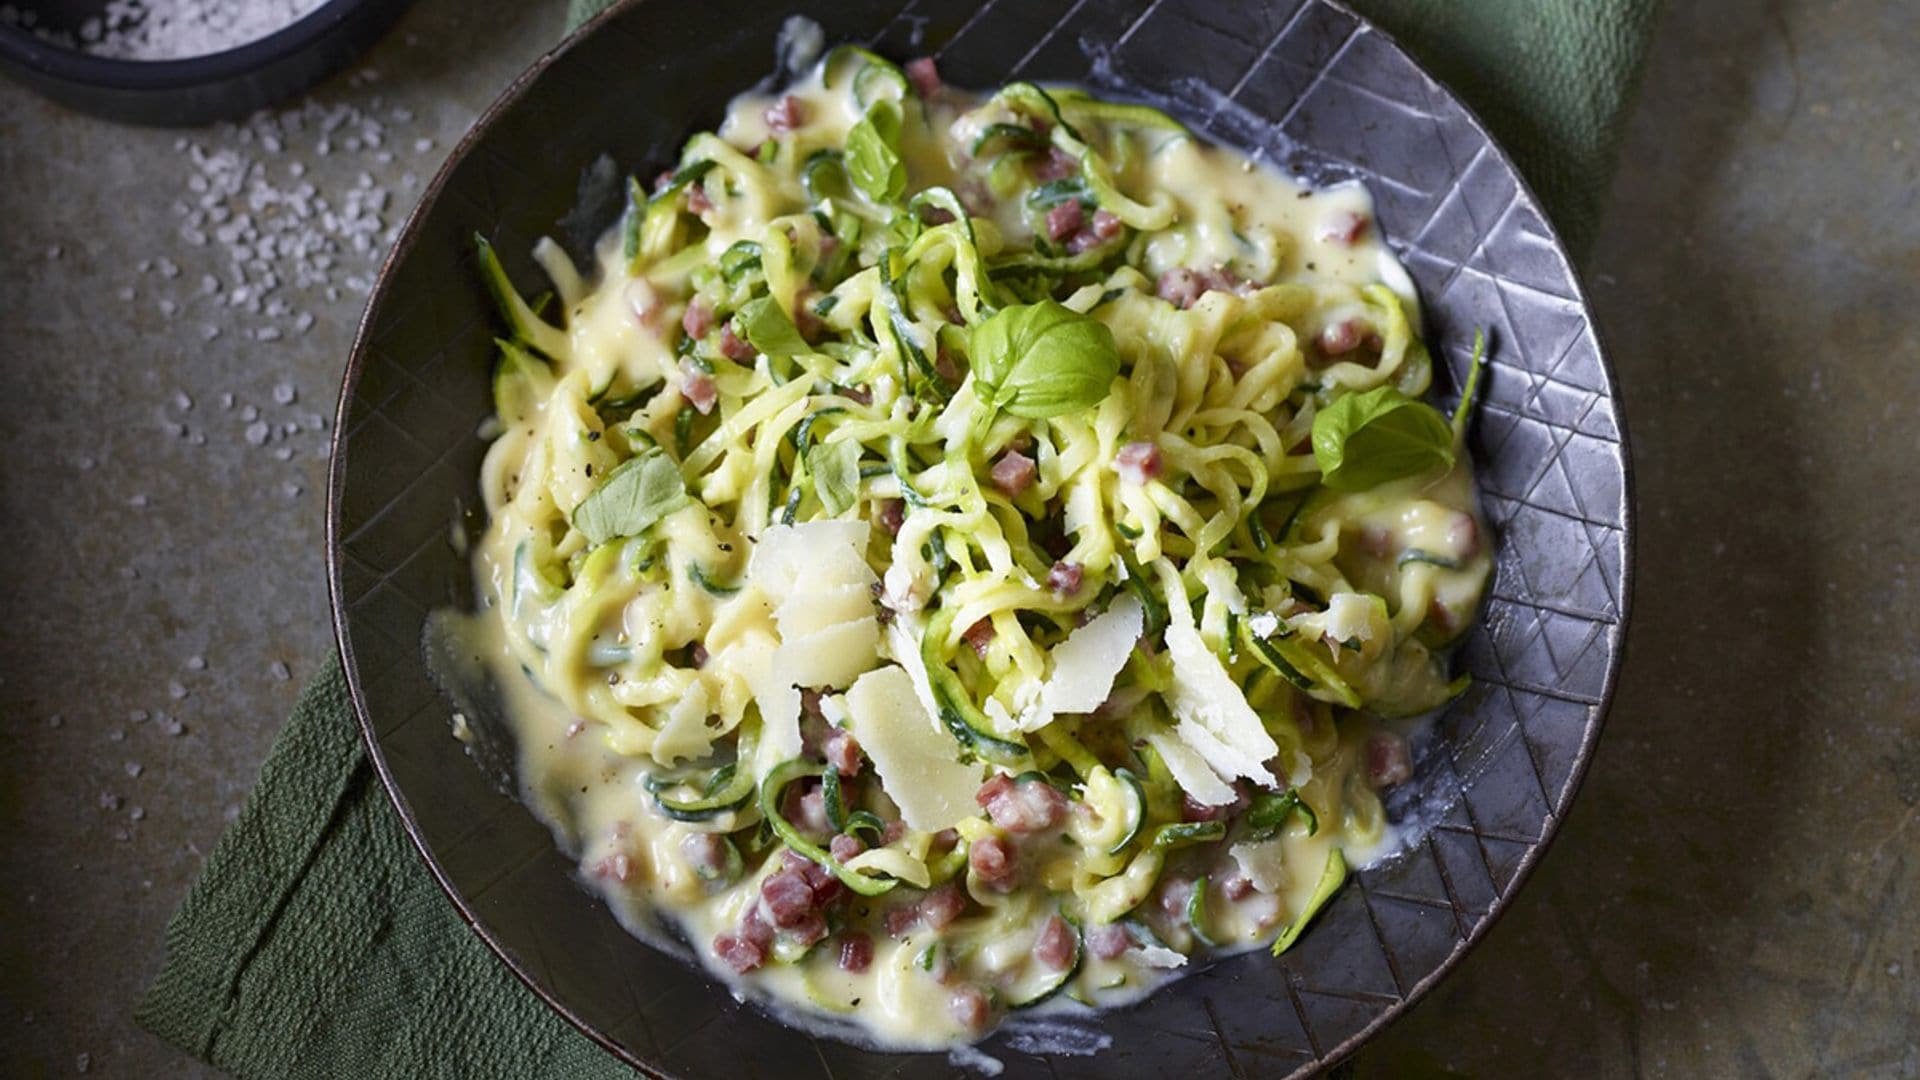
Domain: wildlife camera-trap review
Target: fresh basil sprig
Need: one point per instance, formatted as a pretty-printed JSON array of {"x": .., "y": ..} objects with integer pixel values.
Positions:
[
  {"x": 1042, "y": 360},
  {"x": 768, "y": 329},
  {"x": 1367, "y": 439},
  {"x": 872, "y": 161},
  {"x": 836, "y": 474},
  {"x": 638, "y": 492}
]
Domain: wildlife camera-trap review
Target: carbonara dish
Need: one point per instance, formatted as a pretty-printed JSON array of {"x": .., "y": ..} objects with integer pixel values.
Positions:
[{"x": 954, "y": 553}]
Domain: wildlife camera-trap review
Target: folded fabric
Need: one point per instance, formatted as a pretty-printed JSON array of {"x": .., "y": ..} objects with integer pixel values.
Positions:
[{"x": 316, "y": 943}]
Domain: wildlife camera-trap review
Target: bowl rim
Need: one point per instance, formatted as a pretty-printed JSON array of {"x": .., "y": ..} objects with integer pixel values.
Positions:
[
  {"x": 409, "y": 235},
  {"x": 21, "y": 46}
]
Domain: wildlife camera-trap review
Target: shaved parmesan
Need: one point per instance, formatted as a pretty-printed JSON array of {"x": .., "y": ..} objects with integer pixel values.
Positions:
[
  {"x": 1085, "y": 665},
  {"x": 1349, "y": 617},
  {"x": 904, "y": 645},
  {"x": 1159, "y": 956},
  {"x": 806, "y": 610},
  {"x": 685, "y": 734},
  {"x": 814, "y": 555},
  {"x": 830, "y": 657},
  {"x": 1190, "y": 770},
  {"x": 919, "y": 764},
  {"x": 778, "y": 701},
  {"x": 1205, "y": 699},
  {"x": 1264, "y": 863}
]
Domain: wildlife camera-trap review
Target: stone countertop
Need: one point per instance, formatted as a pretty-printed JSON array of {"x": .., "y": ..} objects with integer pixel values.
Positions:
[{"x": 1735, "y": 892}]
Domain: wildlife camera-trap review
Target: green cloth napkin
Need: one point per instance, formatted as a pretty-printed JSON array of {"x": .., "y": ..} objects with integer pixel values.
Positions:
[{"x": 316, "y": 943}]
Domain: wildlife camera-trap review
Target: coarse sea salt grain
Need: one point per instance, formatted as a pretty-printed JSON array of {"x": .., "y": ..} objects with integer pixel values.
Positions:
[{"x": 167, "y": 29}]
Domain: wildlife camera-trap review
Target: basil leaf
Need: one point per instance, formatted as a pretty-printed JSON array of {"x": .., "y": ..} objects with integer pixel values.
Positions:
[
  {"x": 836, "y": 474},
  {"x": 1364, "y": 440},
  {"x": 638, "y": 492},
  {"x": 768, "y": 329},
  {"x": 1042, "y": 360},
  {"x": 872, "y": 162}
]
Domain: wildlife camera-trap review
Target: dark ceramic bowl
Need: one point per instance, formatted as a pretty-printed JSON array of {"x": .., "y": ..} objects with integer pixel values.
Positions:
[
  {"x": 1302, "y": 82},
  {"x": 194, "y": 90}
]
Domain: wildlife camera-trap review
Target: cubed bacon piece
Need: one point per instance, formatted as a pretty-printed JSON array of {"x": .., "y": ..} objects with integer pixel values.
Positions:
[
  {"x": 1106, "y": 225},
  {"x": 1340, "y": 338},
  {"x": 1014, "y": 473},
  {"x": 810, "y": 930},
  {"x": 970, "y": 1008},
  {"x": 827, "y": 888},
  {"x": 1138, "y": 462},
  {"x": 698, "y": 319},
  {"x": 787, "y": 897},
  {"x": 924, "y": 76},
  {"x": 1065, "y": 219},
  {"x": 1107, "y": 941},
  {"x": 1082, "y": 241},
  {"x": 1066, "y": 578},
  {"x": 644, "y": 302},
  {"x": 738, "y": 953},
  {"x": 979, "y": 635},
  {"x": 992, "y": 861},
  {"x": 1236, "y": 887},
  {"x": 856, "y": 951},
  {"x": 845, "y": 846},
  {"x": 1057, "y": 165},
  {"x": 842, "y": 752},
  {"x": 1343, "y": 227},
  {"x": 1029, "y": 806},
  {"x": 899, "y": 920},
  {"x": 1388, "y": 760},
  {"x": 1174, "y": 894},
  {"x": 935, "y": 215},
  {"x": 697, "y": 387},
  {"x": 697, "y": 200},
  {"x": 813, "y": 812},
  {"x": 786, "y": 115},
  {"x": 941, "y": 906},
  {"x": 616, "y": 867},
  {"x": 1179, "y": 287},
  {"x": 662, "y": 181},
  {"x": 733, "y": 346},
  {"x": 893, "y": 514},
  {"x": 1055, "y": 947}
]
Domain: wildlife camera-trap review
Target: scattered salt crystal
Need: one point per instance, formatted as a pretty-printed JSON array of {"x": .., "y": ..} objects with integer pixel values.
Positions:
[
  {"x": 109, "y": 801},
  {"x": 267, "y": 333},
  {"x": 82, "y": 1062},
  {"x": 292, "y": 489},
  {"x": 55, "y": 720},
  {"x": 249, "y": 413},
  {"x": 281, "y": 671},
  {"x": 137, "y": 501},
  {"x": 167, "y": 307},
  {"x": 226, "y": 401},
  {"x": 421, "y": 146},
  {"x": 125, "y": 293},
  {"x": 208, "y": 332},
  {"x": 86, "y": 463},
  {"x": 53, "y": 252},
  {"x": 129, "y": 573},
  {"x": 181, "y": 401},
  {"x": 176, "y": 690},
  {"x": 177, "y": 430},
  {"x": 137, "y": 813},
  {"x": 116, "y": 735},
  {"x": 134, "y": 769},
  {"x": 196, "y": 662},
  {"x": 284, "y": 453},
  {"x": 173, "y": 727},
  {"x": 257, "y": 433},
  {"x": 285, "y": 393}
]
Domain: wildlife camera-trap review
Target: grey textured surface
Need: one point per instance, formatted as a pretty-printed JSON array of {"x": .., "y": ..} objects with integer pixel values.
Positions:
[{"x": 1734, "y": 893}]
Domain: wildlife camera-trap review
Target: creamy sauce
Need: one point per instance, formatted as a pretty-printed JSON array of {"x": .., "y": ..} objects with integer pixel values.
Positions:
[{"x": 627, "y": 662}]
